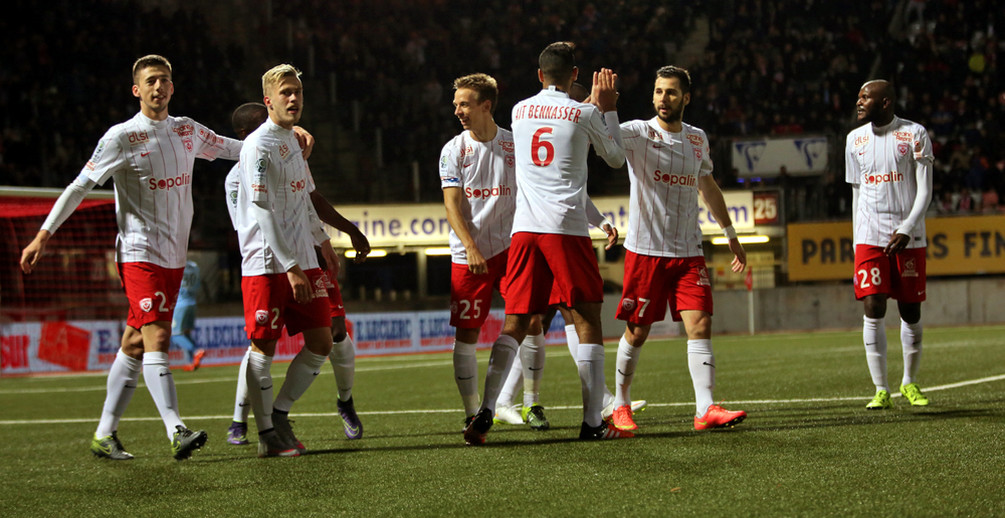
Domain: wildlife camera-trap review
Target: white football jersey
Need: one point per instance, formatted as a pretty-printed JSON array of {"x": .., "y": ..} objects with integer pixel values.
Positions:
[
  {"x": 552, "y": 135},
  {"x": 664, "y": 169},
  {"x": 274, "y": 172},
  {"x": 230, "y": 187},
  {"x": 882, "y": 162},
  {"x": 484, "y": 172},
  {"x": 150, "y": 162}
]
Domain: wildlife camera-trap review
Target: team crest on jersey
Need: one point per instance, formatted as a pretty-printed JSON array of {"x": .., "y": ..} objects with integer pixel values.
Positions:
[
  {"x": 261, "y": 316},
  {"x": 697, "y": 153},
  {"x": 910, "y": 268},
  {"x": 628, "y": 304},
  {"x": 903, "y": 148},
  {"x": 188, "y": 144},
  {"x": 137, "y": 137},
  {"x": 696, "y": 140},
  {"x": 510, "y": 161},
  {"x": 655, "y": 135},
  {"x": 146, "y": 304},
  {"x": 186, "y": 130},
  {"x": 703, "y": 277}
]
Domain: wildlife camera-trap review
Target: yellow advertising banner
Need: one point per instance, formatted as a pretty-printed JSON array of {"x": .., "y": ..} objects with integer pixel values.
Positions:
[{"x": 964, "y": 245}]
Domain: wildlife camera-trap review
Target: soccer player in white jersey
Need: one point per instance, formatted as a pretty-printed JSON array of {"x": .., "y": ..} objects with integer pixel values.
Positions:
[
  {"x": 888, "y": 162},
  {"x": 669, "y": 165},
  {"x": 247, "y": 118},
  {"x": 282, "y": 282},
  {"x": 150, "y": 159},
  {"x": 550, "y": 240},
  {"x": 506, "y": 411}
]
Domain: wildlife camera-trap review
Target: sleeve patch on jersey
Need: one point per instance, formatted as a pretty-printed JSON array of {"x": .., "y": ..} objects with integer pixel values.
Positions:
[
  {"x": 98, "y": 151},
  {"x": 261, "y": 165}
]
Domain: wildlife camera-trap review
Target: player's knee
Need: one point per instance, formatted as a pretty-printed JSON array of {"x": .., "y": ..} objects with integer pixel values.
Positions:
[
  {"x": 910, "y": 313},
  {"x": 875, "y": 306},
  {"x": 636, "y": 335}
]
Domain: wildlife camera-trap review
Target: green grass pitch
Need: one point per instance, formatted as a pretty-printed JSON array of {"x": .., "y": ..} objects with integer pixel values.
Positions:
[{"x": 808, "y": 448}]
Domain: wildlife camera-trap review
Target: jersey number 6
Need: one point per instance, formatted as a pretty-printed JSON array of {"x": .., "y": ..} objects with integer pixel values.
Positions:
[{"x": 535, "y": 148}]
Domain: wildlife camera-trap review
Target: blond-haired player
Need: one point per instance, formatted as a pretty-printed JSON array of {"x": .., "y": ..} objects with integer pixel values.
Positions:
[
  {"x": 150, "y": 159},
  {"x": 282, "y": 282}
]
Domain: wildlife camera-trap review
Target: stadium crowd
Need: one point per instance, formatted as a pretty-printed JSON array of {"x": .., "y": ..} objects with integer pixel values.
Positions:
[{"x": 761, "y": 68}]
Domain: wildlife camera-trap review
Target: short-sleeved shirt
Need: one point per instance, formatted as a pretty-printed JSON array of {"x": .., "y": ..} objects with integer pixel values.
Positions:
[
  {"x": 484, "y": 171},
  {"x": 274, "y": 173},
  {"x": 664, "y": 169},
  {"x": 552, "y": 135},
  {"x": 150, "y": 163},
  {"x": 882, "y": 162}
]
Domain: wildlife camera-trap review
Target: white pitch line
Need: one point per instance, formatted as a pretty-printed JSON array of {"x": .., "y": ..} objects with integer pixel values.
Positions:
[{"x": 935, "y": 388}]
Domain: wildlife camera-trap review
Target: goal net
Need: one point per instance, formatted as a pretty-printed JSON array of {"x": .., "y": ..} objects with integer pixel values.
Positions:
[{"x": 76, "y": 279}]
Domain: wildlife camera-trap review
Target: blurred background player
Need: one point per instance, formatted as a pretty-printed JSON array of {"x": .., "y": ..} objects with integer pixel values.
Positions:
[
  {"x": 184, "y": 316},
  {"x": 150, "y": 159},
  {"x": 888, "y": 162},
  {"x": 246, "y": 118},
  {"x": 550, "y": 244},
  {"x": 669, "y": 165}
]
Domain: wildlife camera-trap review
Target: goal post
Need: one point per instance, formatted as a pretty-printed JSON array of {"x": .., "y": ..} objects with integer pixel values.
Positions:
[{"x": 77, "y": 278}]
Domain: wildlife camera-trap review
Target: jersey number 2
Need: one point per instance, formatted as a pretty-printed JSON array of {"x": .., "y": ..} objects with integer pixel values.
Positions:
[{"x": 535, "y": 148}]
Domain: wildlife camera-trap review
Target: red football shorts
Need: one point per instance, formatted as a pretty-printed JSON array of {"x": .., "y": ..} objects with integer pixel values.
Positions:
[
  {"x": 334, "y": 295},
  {"x": 901, "y": 276},
  {"x": 151, "y": 290},
  {"x": 651, "y": 283},
  {"x": 471, "y": 295},
  {"x": 269, "y": 305},
  {"x": 539, "y": 263}
]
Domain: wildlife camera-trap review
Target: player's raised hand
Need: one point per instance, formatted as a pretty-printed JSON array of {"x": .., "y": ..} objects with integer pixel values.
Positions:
[
  {"x": 605, "y": 93},
  {"x": 33, "y": 252},
  {"x": 300, "y": 284}
]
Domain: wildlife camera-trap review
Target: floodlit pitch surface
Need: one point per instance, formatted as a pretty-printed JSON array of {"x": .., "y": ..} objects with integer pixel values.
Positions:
[{"x": 808, "y": 447}]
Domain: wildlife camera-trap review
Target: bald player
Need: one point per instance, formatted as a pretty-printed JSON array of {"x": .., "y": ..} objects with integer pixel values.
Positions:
[{"x": 888, "y": 162}]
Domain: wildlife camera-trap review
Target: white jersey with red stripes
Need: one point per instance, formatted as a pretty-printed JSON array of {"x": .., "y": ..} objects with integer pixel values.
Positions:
[
  {"x": 273, "y": 173},
  {"x": 552, "y": 135},
  {"x": 484, "y": 171},
  {"x": 664, "y": 169},
  {"x": 150, "y": 162},
  {"x": 882, "y": 162}
]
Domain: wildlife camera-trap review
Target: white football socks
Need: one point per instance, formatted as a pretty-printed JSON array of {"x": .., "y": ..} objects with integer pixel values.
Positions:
[
  {"x": 874, "y": 337},
  {"x": 466, "y": 375},
  {"x": 701, "y": 364},
  {"x": 628, "y": 358},
  {"x": 532, "y": 358},
  {"x": 590, "y": 363},
  {"x": 512, "y": 383},
  {"x": 123, "y": 377},
  {"x": 572, "y": 340},
  {"x": 303, "y": 370},
  {"x": 242, "y": 406},
  {"x": 343, "y": 360},
  {"x": 260, "y": 389},
  {"x": 910, "y": 340},
  {"x": 160, "y": 383},
  {"x": 500, "y": 362}
]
